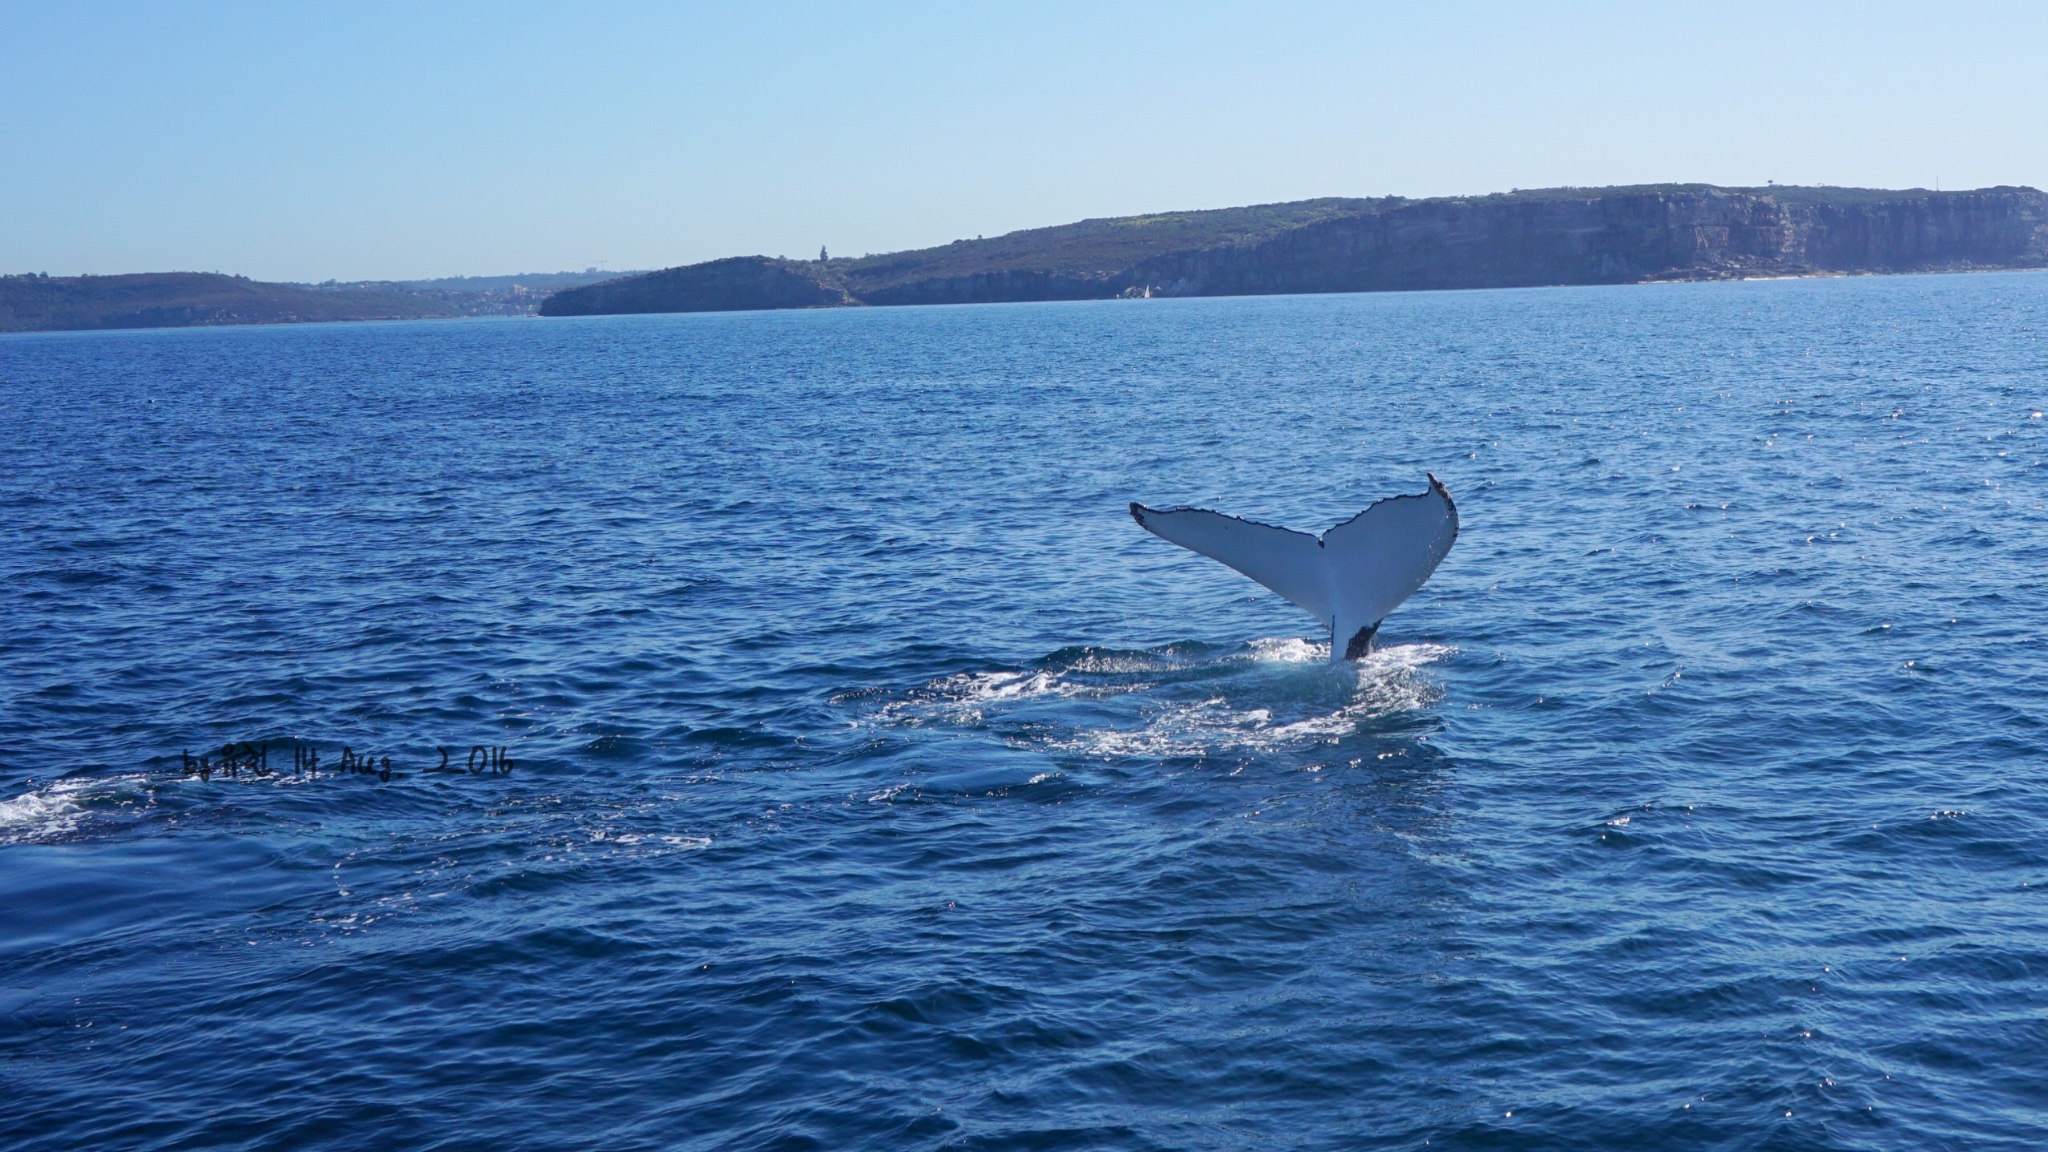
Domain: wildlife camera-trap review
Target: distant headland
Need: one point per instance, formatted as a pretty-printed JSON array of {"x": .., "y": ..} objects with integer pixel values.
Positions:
[
  {"x": 39, "y": 303},
  {"x": 1514, "y": 239},
  {"x": 1517, "y": 239}
]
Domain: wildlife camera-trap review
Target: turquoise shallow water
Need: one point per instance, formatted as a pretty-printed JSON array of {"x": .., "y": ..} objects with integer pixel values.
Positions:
[{"x": 877, "y": 783}]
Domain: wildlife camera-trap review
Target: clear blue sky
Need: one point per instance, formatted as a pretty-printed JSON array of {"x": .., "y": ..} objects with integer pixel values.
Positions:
[{"x": 304, "y": 141}]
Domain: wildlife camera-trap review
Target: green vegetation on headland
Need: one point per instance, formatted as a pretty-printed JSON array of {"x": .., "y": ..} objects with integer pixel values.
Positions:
[
  {"x": 1516, "y": 239},
  {"x": 188, "y": 299}
]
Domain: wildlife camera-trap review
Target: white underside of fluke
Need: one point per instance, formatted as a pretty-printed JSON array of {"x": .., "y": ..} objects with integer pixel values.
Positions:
[{"x": 1349, "y": 578}]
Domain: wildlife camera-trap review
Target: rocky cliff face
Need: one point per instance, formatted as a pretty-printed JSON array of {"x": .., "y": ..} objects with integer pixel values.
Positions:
[
  {"x": 1005, "y": 286},
  {"x": 1617, "y": 239},
  {"x": 1994, "y": 228},
  {"x": 1555, "y": 236}
]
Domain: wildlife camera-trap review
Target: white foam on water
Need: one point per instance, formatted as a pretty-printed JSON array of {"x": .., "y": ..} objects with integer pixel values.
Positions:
[
  {"x": 991, "y": 686},
  {"x": 1212, "y": 727},
  {"x": 1289, "y": 650},
  {"x": 965, "y": 697},
  {"x": 1389, "y": 679},
  {"x": 1387, "y": 682},
  {"x": 1126, "y": 663},
  {"x": 45, "y": 813},
  {"x": 59, "y": 808}
]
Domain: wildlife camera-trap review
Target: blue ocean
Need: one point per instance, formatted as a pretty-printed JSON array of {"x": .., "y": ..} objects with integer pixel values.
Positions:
[{"x": 770, "y": 731}]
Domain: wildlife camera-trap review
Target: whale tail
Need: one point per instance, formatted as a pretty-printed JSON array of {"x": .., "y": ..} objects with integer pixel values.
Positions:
[{"x": 1349, "y": 578}]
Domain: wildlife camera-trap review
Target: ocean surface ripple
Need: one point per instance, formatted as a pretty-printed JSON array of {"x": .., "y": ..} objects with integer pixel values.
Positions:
[{"x": 876, "y": 783}]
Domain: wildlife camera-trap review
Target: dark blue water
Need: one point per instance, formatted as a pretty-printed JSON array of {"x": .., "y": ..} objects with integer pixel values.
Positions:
[{"x": 878, "y": 784}]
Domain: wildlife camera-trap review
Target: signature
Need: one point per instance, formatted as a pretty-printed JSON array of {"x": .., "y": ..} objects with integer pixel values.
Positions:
[{"x": 253, "y": 757}]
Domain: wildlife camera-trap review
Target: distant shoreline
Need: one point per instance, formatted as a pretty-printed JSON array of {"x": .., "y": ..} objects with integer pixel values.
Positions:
[
  {"x": 1542, "y": 237},
  {"x": 535, "y": 314},
  {"x": 40, "y": 303}
]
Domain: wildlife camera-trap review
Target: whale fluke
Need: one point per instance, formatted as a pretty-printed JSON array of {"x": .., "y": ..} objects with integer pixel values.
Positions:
[{"x": 1349, "y": 578}]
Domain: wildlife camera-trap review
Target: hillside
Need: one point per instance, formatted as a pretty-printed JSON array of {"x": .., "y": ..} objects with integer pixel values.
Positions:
[
  {"x": 183, "y": 299},
  {"x": 199, "y": 299},
  {"x": 1522, "y": 238}
]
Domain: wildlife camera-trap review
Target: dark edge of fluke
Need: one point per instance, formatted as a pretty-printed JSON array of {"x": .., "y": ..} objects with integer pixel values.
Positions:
[{"x": 1138, "y": 511}]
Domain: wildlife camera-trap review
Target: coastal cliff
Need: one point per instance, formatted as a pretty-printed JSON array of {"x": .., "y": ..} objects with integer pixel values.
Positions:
[
  {"x": 1702, "y": 234},
  {"x": 1519, "y": 239}
]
